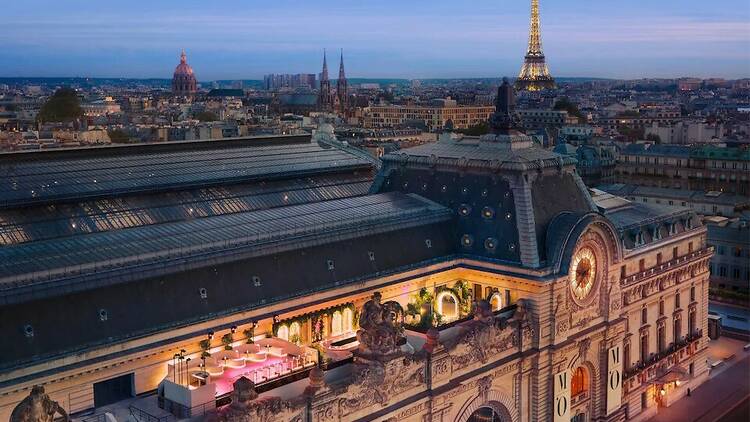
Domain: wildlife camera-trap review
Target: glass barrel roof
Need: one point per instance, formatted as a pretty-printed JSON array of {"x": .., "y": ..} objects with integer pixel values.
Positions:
[
  {"x": 27, "y": 182},
  {"x": 106, "y": 250}
]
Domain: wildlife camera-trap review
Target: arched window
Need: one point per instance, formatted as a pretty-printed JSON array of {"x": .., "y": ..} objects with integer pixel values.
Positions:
[
  {"x": 283, "y": 332},
  {"x": 496, "y": 301},
  {"x": 348, "y": 320},
  {"x": 336, "y": 324},
  {"x": 579, "y": 383},
  {"x": 447, "y": 305},
  {"x": 294, "y": 332}
]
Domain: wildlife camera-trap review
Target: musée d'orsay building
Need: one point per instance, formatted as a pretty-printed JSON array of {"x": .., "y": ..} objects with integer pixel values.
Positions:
[{"x": 469, "y": 279}]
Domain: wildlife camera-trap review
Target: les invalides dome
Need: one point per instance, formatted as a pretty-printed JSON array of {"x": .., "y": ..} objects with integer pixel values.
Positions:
[{"x": 184, "y": 83}]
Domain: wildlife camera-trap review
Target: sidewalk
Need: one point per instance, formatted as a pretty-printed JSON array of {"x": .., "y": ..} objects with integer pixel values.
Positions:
[{"x": 728, "y": 386}]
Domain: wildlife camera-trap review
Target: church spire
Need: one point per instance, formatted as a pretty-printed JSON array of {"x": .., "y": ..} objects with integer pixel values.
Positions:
[
  {"x": 325, "y": 99},
  {"x": 324, "y": 74},
  {"x": 342, "y": 88},
  {"x": 341, "y": 66}
]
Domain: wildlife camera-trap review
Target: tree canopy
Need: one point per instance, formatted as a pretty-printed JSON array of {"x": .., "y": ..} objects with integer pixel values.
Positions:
[
  {"x": 477, "y": 130},
  {"x": 569, "y": 106},
  {"x": 63, "y": 106},
  {"x": 118, "y": 136},
  {"x": 207, "y": 116}
]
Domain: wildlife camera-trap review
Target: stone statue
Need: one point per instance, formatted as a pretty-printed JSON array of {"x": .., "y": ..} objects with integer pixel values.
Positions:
[
  {"x": 37, "y": 407},
  {"x": 483, "y": 312},
  {"x": 380, "y": 327}
]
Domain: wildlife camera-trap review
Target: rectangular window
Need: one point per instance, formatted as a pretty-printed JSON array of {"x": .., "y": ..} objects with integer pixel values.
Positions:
[
  {"x": 642, "y": 265},
  {"x": 658, "y": 258},
  {"x": 623, "y": 272},
  {"x": 675, "y": 252},
  {"x": 661, "y": 307},
  {"x": 478, "y": 292},
  {"x": 690, "y": 247},
  {"x": 677, "y": 300},
  {"x": 662, "y": 339},
  {"x": 626, "y": 356},
  {"x": 692, "y": 294},
  {"x": 644, "y": 400},
  {"x": 644, "y": 316}
]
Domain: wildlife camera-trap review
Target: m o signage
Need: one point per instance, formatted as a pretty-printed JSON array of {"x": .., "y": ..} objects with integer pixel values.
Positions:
[
  {"x": 614, "y": 378},
  {"x": 561, "y": 404}
]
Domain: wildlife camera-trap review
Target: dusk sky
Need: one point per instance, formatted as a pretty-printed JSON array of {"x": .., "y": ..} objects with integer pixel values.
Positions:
[{"x": 384, "y": 38}]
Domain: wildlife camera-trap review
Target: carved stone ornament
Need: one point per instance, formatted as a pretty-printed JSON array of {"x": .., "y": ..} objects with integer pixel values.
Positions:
[
  {"x": 483, "y": 338},
  {"x": 37, "y": 407},
  {"x": 247, "y": 407},
  {"x": 583, "y": 348},
  {"x": 615, "y": 296},
  {"x": 378, "y": 382},
  {"x": 381, "y": 327}
]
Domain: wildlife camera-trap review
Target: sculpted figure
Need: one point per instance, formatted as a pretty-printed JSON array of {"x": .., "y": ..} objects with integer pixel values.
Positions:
[
  {"x": 380, "y": 326},
  {"x": 483, "y": 311},
  {"x": 37, "y": 407}
]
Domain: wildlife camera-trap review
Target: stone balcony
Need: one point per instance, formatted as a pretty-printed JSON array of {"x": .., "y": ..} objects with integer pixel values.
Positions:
[
  {"x": 666, "y": 266},
  {"x": 654, "y": 367}
]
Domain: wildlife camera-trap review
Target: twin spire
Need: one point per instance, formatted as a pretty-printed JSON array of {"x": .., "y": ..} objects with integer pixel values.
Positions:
[
  {"x": 324, "y": 73},
  {"x": 326, "y": 99}
]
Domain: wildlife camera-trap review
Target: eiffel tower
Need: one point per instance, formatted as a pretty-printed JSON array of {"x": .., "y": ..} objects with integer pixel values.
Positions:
[{"x": 534, "y": 74}]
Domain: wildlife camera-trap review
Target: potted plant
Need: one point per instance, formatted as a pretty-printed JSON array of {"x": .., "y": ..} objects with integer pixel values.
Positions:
[
  {"x": 227, "y": 340},
  {"x": 205, "y": 346},
  {"x": 249, "y": 334}
]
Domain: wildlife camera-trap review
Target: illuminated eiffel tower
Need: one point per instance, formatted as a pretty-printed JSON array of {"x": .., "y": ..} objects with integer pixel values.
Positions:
[{"x": 534, "y": 74}]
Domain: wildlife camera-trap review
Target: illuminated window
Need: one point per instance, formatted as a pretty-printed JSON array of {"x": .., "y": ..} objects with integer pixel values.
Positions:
[
  {"x": 348, "y": 320},
  {"x": 336, "y": 324},
  {"x": 447, "y": 305},
  {"x": 496, "y": 301},
  {"x": 283, "y": 332},
  {"x": 579, "y": 382}
]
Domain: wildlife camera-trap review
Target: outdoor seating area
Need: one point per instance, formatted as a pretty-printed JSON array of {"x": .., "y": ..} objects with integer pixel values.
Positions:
[{"x": 267, "y": 360}]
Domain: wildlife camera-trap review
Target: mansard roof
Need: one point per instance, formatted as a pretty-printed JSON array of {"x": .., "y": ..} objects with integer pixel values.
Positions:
[{"x": 504, "y": 188}]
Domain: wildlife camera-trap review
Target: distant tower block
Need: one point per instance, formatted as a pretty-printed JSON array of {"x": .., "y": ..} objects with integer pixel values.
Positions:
[{"x": 534, "y": 74}]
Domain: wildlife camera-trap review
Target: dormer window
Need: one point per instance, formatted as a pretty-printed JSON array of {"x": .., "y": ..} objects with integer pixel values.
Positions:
[{"x": 639, "y": 238}]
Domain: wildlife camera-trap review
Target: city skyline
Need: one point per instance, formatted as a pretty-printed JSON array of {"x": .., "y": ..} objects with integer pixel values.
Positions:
[{"x": 242, "y": 40}]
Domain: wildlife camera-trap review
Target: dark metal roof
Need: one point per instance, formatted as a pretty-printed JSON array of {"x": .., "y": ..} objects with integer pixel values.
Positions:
[
  {"x": 30, "y": 224},
  {"x": 38, "y": 269},
  {"x": 45, "y": 178}
]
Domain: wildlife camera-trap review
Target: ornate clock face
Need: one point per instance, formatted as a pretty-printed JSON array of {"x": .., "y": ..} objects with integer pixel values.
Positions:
[{"x": 582, "y": 273}]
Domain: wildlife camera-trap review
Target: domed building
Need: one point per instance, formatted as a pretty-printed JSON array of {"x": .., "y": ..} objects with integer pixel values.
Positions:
[{"x": 184, "y": 83}]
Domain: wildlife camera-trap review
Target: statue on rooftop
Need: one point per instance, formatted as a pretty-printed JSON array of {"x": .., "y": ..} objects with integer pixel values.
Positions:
[
  {"x": 37, "y": 407},
  {"x": 381, "y": 326}
]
